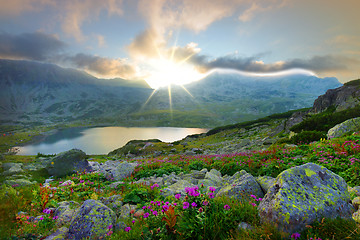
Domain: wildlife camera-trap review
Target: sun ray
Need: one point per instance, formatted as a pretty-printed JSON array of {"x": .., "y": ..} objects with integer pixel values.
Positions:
[
  {"x": 149, "y": 98},
  {"x": 187, "y": 91}
]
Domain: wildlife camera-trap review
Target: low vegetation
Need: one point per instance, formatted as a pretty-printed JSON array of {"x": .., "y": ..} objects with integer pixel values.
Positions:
[{"x": 25, "y": 211}]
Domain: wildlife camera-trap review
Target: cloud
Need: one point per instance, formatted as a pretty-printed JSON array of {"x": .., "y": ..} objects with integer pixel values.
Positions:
[
  {"x": 32, "y": 46},
  {"x": 104, "y": 67},
  {"x": 319, "y": 64},
  {"x": 16, "y": 7},
  {"x": 72, "y": 14}
]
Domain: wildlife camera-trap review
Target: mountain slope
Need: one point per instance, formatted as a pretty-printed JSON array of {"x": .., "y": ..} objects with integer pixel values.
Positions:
[
  {"x": 45, "y": 93},
  {"x": 230, "y": 98}
]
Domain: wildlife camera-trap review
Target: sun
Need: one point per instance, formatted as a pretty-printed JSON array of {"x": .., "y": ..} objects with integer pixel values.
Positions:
[{"x": 165, "y": 72}]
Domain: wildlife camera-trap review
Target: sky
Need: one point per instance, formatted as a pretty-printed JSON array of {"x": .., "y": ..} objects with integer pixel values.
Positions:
[{"x": 172, "y": 41}]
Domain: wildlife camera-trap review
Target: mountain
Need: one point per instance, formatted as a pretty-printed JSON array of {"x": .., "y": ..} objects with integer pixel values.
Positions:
[
  {"x": 37, "y": 93},
  {"x": 228, "y": 98}
]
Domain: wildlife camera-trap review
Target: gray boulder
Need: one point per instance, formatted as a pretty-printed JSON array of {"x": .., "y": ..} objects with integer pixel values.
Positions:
[
  {"x": 12, "y": 168},
  {"x": 65, "y": 212},
  {"x": 304, "y": 194},
  {"x": 60, "y": 234},
  {"x": 19, "y": 182},
  {"x": 114, "y": 202},
  {"x": 92, "y": 221},
  {"x": 349, "y": 126},
  {"x": 242, "y": 187},
  {"x": 265, "y": 182},
  {"x": 68, "y": 162},
  {"x": 116, "y": 170}
]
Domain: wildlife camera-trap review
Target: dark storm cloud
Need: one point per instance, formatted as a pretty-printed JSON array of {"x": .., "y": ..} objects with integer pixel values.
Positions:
[{"x": 32, "y": 46}]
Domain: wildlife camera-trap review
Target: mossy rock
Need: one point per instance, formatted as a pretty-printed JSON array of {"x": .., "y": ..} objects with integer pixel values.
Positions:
[{"x": 304, "y": 194}]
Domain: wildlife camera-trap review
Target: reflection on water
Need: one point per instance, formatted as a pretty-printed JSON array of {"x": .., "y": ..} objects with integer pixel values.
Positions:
[{"x": 102, "y": 140}]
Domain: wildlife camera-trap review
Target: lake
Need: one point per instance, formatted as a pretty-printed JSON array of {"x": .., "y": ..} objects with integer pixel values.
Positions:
[{"x": 102, "y": 140}]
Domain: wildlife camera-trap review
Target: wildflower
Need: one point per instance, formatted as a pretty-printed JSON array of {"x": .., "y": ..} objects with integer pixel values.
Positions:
[
  {"x": 132, "y": 211},
  {"x": 211, "y": 195},
  {"x": 146, "y": 215},
  {"x": 194, "y": 204},
  {"x": 41, "y": 218},
  {"x": 144, "y": 207},
  {"x": 55, "y": 217},
  {"x": 295, "y": 235},
  {"x": 205, "y": 202},
  {"x": 177, "y": 196},
  {"x": 154, "y": 186},
  {"x": 185, "y": 205},
  {"x": 47, "y": 211},
  {"x": 253, "y": 204},
  {"x": 110, "y": 226},
  {"x": 109, "y": 233},
  {"x": 212, "y": 189},
  {"x": 227, "y": 207},
  {"x": 127, "y": 229},
  {"x": 201, "y": 209},
  {"x": 155, "y": 213},
  {"x": 253, "y": 196},
  {"x": 133, "y": 221}
]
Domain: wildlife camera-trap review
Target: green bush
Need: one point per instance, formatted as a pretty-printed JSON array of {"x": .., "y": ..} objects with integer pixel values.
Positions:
[{"x": 307, "y": 137}]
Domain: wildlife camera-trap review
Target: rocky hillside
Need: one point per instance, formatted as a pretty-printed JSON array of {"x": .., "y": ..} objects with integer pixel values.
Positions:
[
  {"x": 33, "y": 93},
  {"x": 37, "y": 93}
]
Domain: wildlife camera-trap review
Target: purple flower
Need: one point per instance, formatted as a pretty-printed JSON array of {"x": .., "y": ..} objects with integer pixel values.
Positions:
[
  {"x": 155, "y": 213},
  {"x": 227, "y": 207},
  {"x": 253, "y": 204},
  {"x": 212, "y": 189},
  {"x": 110, "y": 226},
  {"x": 127, "y": 229},
  {"x": 177, "y": 196},
  {"x": 194, "y": 204},
  {"x": 205, "y": 202},
  {"x": 146, "y": 215},
  {"x": 56, "y": 217},
  {"x": 154, "y": 186},
  {"x": 185, "y": 205},
  {"x": 133, "y": 221},
  {"x": 144, "y": 207},
  {"x": 47, "y": 211},
  {"x": 201, "y": 209},
  {"x": 211, "y": 195},
  {"x": 253, "y": 196},
  {"x": 295, "y": 235}
]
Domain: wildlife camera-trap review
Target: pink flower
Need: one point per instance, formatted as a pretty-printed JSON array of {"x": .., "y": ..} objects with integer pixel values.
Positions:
[
  {"x": 201, "y": 209},
  {"x": 295, "y": 235},
  {"x": 155, "y": 213},
  {"x": 212, "y": 189},
  {"x": 227, "y": 207},
  {"x": 146, "y": 215},
  {"x": 211, "y": 195},
  {"x": 194, "y": 204},
  {"x": 177, "y": 196},
  {"x": 205, "y": 202},
  {"x": 186, "y": 205},
  {"x": 110, "y": 226},
  {"x": 127, "y": 229}
]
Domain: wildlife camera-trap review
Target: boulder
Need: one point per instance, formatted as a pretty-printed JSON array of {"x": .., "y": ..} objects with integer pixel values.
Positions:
[
  {"x": 116, "y": 170},
  {"x": 19, "y": 182},
  {"x": 356, "y": 203},
  {"x": 178, "y": 187},
  {"x": 60, "y": 234},
  {"x": 12, "y": 169},
  {"x": 65, "y": 212},
  {"x": 265, "y": 182},
  {"x": 214, "y": 176},
  {"x": 114, "y": 202},
  {"x": 91, "y": 220},
  {"x": 349, "y": 126},
  {"x": 68, "y": 162},
  {"x": 304, "y": 194},
  {"x": 242, "y": 187},
  {"x": 356, "y": 216}
]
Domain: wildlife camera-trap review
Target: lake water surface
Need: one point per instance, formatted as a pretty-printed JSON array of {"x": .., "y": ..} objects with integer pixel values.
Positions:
[{"x": 102, "y": 140}]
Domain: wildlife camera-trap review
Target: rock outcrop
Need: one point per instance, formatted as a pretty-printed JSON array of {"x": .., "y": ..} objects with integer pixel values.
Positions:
[
  {"x": 68, "y": 162},
  {"x": 349, "y": 126},
  {"x": 342, "y": 98},
  {"x": 304, "y": 194},
  {"x": 93, "y": 220}
]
